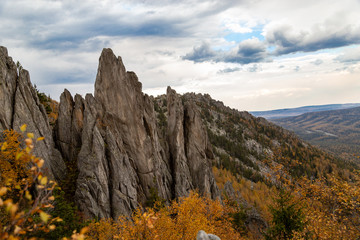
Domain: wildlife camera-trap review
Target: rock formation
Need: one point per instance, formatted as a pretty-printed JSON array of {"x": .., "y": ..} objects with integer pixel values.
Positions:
[
  {"x": 20, "y": 105},
  {"x": 113, "y": 139},
  {"x": 202, "y": 235},
  {"x": 190, "y": 150}
]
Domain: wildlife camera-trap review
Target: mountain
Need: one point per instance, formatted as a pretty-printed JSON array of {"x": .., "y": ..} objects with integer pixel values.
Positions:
[
  {"x": 118, "y": 149},
  {"x": 337, "y": 131},
  {"x": 244, "y": 144},
  {"x": 291, "y": 112}
]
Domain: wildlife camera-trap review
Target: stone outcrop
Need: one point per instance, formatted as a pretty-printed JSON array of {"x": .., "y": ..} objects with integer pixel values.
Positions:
[
  {"x": 202, "y": 235},
  {"x": 20, "y": 105},
  {"x": 190, "y": 150},
  {"x": 113, "y": 137}
]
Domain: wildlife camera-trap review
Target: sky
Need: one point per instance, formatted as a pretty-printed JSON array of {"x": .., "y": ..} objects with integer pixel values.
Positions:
[{"x": 250, "y": 54}]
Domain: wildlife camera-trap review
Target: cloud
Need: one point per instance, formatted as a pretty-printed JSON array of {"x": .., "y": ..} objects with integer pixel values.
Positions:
[
  {"x": 63, "y": 25},
  {"x": 318, "y": 62},
  {"x": 201, "y": 54},
  {"x": 254, "y": 68},
  {"x": 229, "y": 70},
  {"x": 288, "y": 39},
  {"x": 248, "y": 51},
  {"x": 273, "y": 92},
  {"x": 349, "y": 56}
]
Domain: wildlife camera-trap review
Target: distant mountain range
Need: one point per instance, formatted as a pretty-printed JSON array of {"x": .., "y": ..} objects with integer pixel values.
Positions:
[
  {"x": 337, "y": 131},
  {"x": 291, "y": 112}
]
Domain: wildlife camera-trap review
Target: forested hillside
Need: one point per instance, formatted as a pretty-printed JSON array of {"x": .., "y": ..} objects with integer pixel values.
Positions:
[
  {"x": 337, "y": 131},
  {"x": 245, "y": 144}
]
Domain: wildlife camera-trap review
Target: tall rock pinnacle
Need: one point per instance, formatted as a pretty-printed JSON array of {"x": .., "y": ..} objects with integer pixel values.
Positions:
[{"x": 113, "y": 139}]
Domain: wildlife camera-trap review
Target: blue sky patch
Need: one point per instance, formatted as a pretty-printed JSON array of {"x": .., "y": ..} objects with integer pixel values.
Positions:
[{"x": 239, "y": 37}]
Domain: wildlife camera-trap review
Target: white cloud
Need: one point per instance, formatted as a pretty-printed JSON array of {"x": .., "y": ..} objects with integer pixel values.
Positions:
[{"x": 350, "y": 55}]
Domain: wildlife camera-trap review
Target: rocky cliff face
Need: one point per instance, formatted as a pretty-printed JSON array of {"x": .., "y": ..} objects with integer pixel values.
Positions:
[
  {"x": 20, "y": 105},
  {"x": 113, "y": 137},
  {"x": 190, "y": 150}
]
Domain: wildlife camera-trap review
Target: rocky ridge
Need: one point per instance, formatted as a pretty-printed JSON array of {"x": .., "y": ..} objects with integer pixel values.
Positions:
[{"x": 113, "y": 138}]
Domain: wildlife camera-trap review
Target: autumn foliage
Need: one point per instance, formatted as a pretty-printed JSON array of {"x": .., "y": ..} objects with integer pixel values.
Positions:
[
  {"x": 332, "y": 208},
  {"x": 26, "y": 194},
  {"x": 181, "y": 220},
  {"x": 328, "y": 207}
]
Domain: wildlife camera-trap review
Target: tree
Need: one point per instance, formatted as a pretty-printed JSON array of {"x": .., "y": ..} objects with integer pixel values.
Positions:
[
  {"x": 26, "y": 193},
  {"x": 182, "y": 219},
  {"x": 287, "y": 216}
]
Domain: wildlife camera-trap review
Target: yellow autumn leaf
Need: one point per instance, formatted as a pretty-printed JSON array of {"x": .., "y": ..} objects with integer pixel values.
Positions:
[
  {"x": 28, "y": 195},
  {"x": 40, "y": 163},
  {"x": 44, "y": 216},
  {"x": 28, "y": 141},
  {"x": 40, "y": 139},
  {"x": 18, "y": 155},
  {"x": 17, "y": 229},
  {"x": 3, "y": 146},
  {"x": 43, "y": 181},
  {"x": 23, "y": 128},
  {"x": 51, "y": 198},
  {"x": 12, "y": 209},
  {"x": 84, "y": 230},
  {"x": 30, "y": 135},
  {"x": 3, "y": 190}
]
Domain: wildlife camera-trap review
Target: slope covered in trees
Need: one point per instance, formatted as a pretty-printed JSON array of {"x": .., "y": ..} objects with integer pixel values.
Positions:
[
  {"x": 245, "y": 145},
  {"x": 324, "y": 208},
  {"x": 336, "y": 131}
]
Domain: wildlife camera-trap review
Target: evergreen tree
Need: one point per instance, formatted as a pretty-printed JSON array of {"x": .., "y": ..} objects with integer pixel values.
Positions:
[{"x": 287, "y": 216}]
